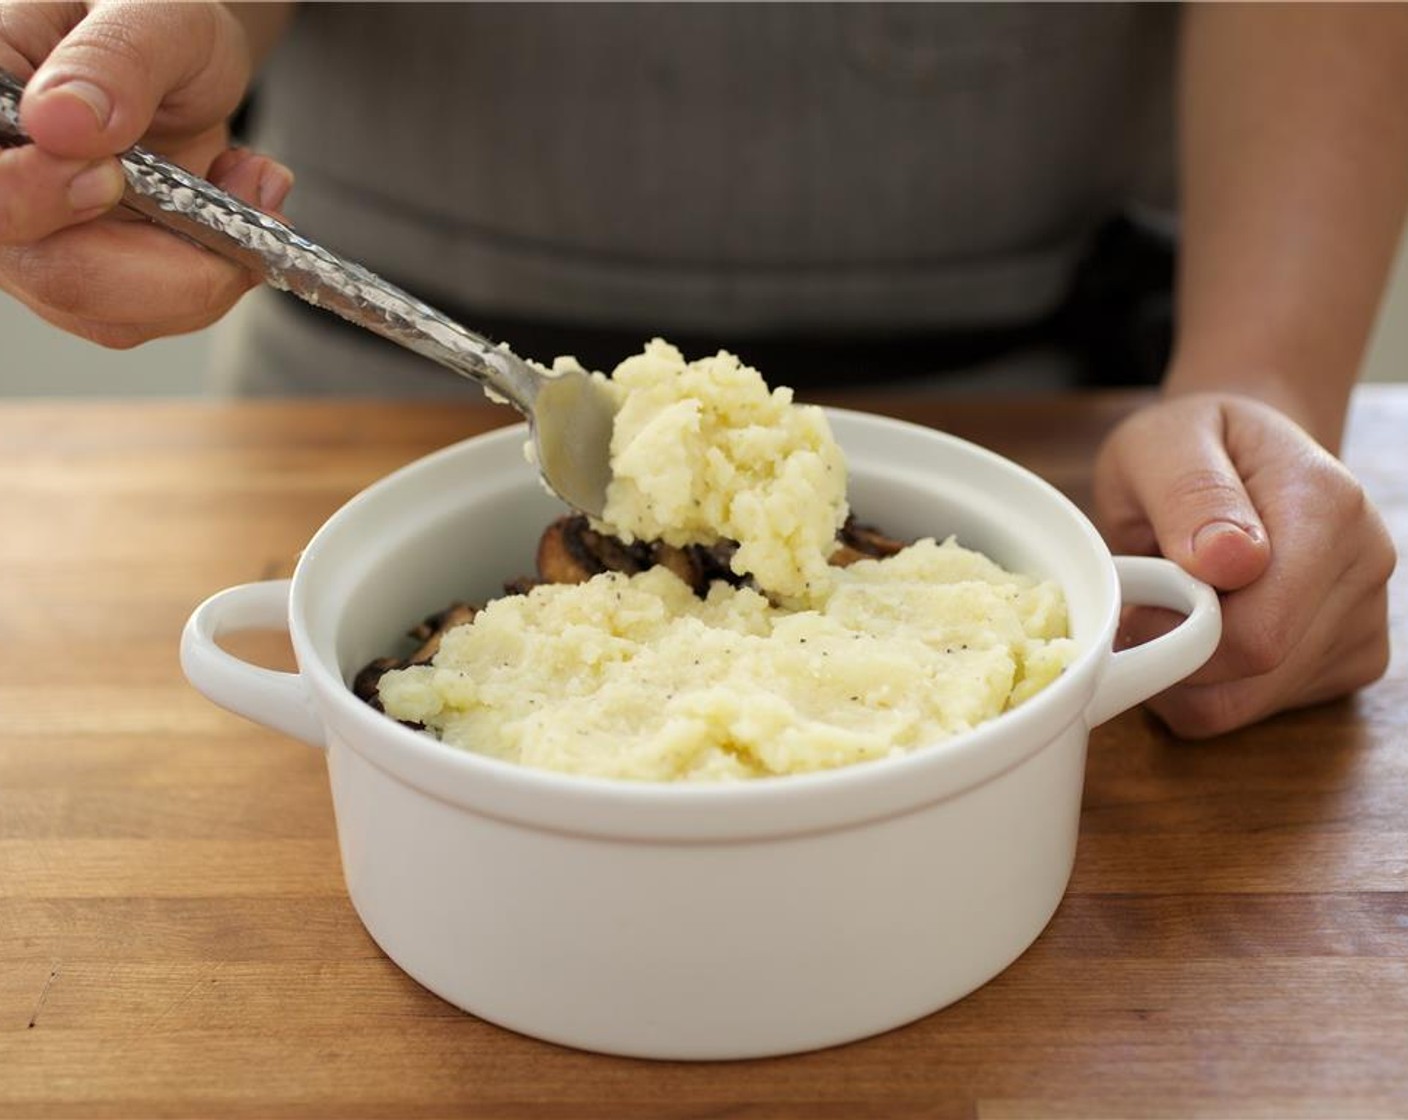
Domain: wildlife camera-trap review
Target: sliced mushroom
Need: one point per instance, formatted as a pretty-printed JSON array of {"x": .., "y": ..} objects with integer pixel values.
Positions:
[
  {"x": 430, "y": 631},
  {"x": 684, "y": 562},
  {"x": 434, "y": 627},
  {"x": 368, "y": 681},
  {"x": 571, "y": 551},
  {"x": 863, "y": 542},
  {"x": 521, "y": 586},
  {"x": 715, "y": 563}
]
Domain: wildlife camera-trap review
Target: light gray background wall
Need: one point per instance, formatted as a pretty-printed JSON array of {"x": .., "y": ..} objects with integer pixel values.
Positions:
[{"x": 38, "y": 360}]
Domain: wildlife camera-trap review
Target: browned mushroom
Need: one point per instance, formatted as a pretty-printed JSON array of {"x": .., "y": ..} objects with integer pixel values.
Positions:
[
  {"x": 367, "y": 682},
  {"x": 715, "y": 563},
  {"x": 435, "y": 626},
  {"x": 521, "y": 586},
  {"x": 863, "y": 542},
  {"x": 571, "y": 551},
  {"x": 684, "y": 562},
  {"x": 429, "y": 633}
]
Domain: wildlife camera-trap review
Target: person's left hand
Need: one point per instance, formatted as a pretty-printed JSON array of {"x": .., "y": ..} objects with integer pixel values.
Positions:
[{"x": 1243, "y": 498}]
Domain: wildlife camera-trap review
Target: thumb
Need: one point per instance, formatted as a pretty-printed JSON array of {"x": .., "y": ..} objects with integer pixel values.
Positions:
[
  {"x": 126, "y": 68},
  {"x": 1177, "y": 473}
]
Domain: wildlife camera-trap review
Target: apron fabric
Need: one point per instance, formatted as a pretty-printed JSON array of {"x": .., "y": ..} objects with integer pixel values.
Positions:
[{"x": 736, "y": 170}]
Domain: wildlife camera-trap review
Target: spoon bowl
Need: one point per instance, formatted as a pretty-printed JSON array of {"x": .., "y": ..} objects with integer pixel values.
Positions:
[{"x": 571, "y": 422}]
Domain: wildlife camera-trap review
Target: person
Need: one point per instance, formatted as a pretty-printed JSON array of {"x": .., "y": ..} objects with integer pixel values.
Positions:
[{"x": 779, "y": 173}]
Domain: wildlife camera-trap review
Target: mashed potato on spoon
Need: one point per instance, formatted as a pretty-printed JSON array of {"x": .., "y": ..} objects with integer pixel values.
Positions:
[{"x": 702, "y": 451}]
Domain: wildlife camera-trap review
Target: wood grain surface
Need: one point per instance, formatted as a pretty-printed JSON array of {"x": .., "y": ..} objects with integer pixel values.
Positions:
[{"x": 175, "y": 939}]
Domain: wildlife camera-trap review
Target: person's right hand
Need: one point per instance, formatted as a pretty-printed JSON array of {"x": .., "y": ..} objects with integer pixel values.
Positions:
[{"x": 102, "y": 77}]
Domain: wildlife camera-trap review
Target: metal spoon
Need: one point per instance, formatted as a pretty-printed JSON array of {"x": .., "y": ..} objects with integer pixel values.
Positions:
[{"x": 570, "y": 414}]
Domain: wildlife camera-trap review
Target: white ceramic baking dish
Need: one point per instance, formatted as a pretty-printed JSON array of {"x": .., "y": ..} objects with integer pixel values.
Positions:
[{"x": 695, "y": 922}]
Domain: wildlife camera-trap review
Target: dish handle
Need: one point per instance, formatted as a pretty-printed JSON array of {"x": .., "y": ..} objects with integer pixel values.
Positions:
[
  {"x": 265, "y": 696},
  {"x": 1133, "y": 675}
]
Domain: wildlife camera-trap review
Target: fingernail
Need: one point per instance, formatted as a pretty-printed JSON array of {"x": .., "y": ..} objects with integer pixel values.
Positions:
[
  {"x": 97, "y": 186},
  {"x": 1214, "y": 529},
  {"x": 275, "y": 181},
  {"x": 89, "y": 94}
]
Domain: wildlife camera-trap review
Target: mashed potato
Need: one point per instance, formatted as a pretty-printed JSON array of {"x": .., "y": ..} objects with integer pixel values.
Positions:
[
  {"x": 636, "y": 677},
  {"x": 702, "y": 452}
]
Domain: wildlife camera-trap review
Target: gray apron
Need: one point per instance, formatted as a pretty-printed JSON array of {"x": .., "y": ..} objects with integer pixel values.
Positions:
[{"x": 733, "y": 168}]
